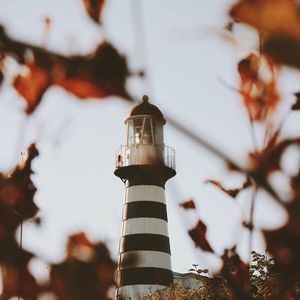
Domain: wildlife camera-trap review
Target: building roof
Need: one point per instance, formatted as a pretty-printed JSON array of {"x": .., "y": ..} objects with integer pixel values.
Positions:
[{"x": 145, "y": 108}]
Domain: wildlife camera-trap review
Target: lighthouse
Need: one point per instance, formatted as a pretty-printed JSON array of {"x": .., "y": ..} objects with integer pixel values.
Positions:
[{"x": 144, "y": 164}]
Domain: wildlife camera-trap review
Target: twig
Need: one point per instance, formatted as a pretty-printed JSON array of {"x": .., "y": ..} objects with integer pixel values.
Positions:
[
  {"x": 252, "y": 207},
  {"x": 21, "y": 247}
]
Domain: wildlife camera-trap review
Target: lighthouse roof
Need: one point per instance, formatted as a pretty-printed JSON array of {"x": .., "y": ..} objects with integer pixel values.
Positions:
[{"x": 145, "y": 108}]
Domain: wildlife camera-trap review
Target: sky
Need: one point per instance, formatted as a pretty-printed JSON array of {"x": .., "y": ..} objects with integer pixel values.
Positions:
[{"x": 186, "y": 56}]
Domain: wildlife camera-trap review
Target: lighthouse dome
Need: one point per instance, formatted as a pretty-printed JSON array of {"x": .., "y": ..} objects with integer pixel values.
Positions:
[{"x": 145, "y": 108}]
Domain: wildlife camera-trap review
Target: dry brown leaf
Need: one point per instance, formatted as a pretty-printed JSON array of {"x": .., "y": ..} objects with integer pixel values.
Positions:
[
  {"x": 188, "y": 204},
  {"x": 270, "y": 17},
  {"x": 94, "y": 8},
  {"x": 198, "y": 235},
  {"x": 32, "y": 85},
  {"x": 296, "y": 105}
]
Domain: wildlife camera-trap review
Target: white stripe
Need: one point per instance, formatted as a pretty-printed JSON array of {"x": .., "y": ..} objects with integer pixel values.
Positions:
[
  {"x": 145, "y": 225},
  {"x": 134, "y": 292},
  {"x": 147, "y": 259},
  {"x": 145, "y": 193}
]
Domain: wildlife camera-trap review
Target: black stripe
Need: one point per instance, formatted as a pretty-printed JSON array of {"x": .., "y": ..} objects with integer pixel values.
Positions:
[
  {"x": 144, "y": 276},
  {"x": 145, "y": 209},
  {"x": 136, "y": 242},
  {"x": 145, "y": 174}
]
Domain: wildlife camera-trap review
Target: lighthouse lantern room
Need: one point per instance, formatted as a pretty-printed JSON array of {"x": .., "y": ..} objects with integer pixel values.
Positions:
[{"x": 144, "y": 164}]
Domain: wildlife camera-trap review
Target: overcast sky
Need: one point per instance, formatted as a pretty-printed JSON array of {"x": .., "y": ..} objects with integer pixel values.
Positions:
[{"x": 185, "y": 56}]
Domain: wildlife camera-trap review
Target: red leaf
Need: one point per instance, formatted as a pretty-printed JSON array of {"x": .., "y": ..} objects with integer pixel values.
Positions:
[
  {"x": 278, "y": 22},
  {"x": 270, "y": 17},
  {"x": 83, "y": 279},
  {"x": 82, "y": 88},
  {"x": 17, "y": 281},
  {"x": 284, "y": 244},
  {"x": 17, "y": 190},
  {"x": 33, "y": 85},
  {"x": 248, "y": 67},
  {"x": 296, "y": 105},
  {"x": 94, "y": 8},
  {"x": 11, "y": 253},
  {"x": 236, "y": 272},
  {"x": 260, "y": 96},
  {"x": 231, "y": 192},
  {"x": 189, "y": 204},
  {"x": 198, "y": 235},
  {"x": 77, "y": 244}
]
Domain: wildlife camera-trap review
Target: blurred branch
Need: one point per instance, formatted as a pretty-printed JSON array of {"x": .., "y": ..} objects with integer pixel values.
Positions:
[
  {"x": 251, "y": 226},
  {"x": 254, "y": 174}
]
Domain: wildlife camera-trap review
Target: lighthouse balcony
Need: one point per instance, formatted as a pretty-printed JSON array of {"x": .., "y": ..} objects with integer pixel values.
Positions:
[{"x": 145, "y": 154}]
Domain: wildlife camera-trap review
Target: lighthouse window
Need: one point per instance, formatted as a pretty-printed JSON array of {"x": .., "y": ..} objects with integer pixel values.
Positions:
[
  {"x": 146, "y": 131},
  {"x": 138, "y": 134},
  {"x": 130, "y": 135}
]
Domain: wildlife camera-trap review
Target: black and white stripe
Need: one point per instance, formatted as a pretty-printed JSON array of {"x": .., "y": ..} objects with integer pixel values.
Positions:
[{"x": 144, "y": 253}]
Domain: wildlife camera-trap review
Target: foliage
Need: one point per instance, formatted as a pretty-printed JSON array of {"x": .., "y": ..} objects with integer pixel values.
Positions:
[
  {"x": 212, "y": 289},
  {"x": 260, "y": 281},
  {"x": 264, "y": 279},
  {"x": 96, "y": 75}
]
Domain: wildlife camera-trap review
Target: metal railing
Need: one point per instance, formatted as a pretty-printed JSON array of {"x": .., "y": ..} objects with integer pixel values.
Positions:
[{"x": 145, "y": 154}]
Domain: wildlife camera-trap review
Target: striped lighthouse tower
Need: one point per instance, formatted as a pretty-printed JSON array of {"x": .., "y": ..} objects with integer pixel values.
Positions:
[{"x": 144, "y": 164}]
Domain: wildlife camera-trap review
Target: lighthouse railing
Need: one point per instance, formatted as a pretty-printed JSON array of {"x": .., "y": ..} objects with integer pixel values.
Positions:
[{"x": 145, "y": 154}]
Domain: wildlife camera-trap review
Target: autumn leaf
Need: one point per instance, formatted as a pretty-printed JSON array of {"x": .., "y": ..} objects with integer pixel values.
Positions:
[
  {"x": 82, "y": 88},
  {"x": 17, "y": 189},
  {"x": 270, "y": 17},
  {"x": 18, "y": 281},
  {"x": 248, "y": 68},
  {"x": 231, "y": 192},
  {"x": 79, "y": 244},
  {"x": 283, "y": 50},
  {"x": 278, "y": 24},
  {"x": 189, "y": 204},
  {"x": 9, "y": 221},
  {"x": 236, "y": 272},
  {"x": 94, "y": 8},
  {"x": 260, "y": 96},
  {"x": 295, "y": 185},
  {"x": 32, "y": 85},
  {"x": 99, "y": 74},
  {"x": 16, "y": 204},
  {"x": 16, "y": 278},
  {"x": 284, "y": 244},
  {"x": 83, "y": 279},
  {"x": 296, "y": 105},
  {"x": 198, "y": 235}
]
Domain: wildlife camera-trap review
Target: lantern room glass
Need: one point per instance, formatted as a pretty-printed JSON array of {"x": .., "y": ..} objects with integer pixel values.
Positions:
[{"x": 144, "y": 130}]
